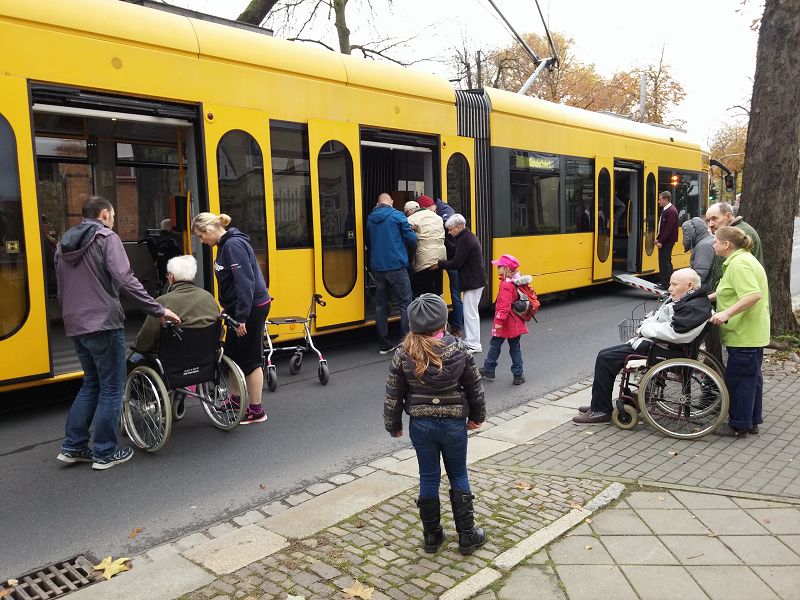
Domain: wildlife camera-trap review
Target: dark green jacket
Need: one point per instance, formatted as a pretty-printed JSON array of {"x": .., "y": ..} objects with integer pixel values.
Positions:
[
  {"x": 195, "y": 306},
  {"x": 716, "y": 269}
]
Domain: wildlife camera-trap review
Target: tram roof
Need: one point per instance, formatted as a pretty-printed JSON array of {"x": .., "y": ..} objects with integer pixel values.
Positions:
[
  {"x": 536, "y": 108},
  {"x": 141, "y": 26}
]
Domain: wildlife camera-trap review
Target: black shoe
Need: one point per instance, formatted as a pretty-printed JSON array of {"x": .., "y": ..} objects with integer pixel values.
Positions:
[
  {"x": 470, "y": 538},
  {"x": 591, "y": 418},
  {"x": 728, "y": 431},
  {"x": 519, "y": 379},
  {"x": 753, "y": 430},
  {"x": 388, "y": 350},
  {"x": 120, "y": 456},
  {"x": 75, "y": 456},
  {"x": 430, "y": 514},
  {"x": 487, "y": 375}
]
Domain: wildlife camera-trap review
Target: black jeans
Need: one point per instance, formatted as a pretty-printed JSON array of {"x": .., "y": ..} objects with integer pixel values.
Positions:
[
  {"x": 665, "y": 264},
  {"x": 609, "y": 362}
]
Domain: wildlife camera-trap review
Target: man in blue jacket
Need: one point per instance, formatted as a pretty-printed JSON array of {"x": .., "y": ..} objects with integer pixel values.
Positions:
[{"x": 389, "y": 238}]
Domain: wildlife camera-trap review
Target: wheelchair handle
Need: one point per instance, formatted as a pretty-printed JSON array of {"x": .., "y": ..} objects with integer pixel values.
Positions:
[
  {"x": 174, "y": 329},
  {"x": 318, "y": 299},
  {"x": 229, "y": 321}
]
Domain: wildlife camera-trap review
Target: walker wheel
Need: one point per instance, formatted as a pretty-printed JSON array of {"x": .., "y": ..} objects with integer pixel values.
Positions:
[
  {"x": 272, "y": 378},
  {"x": 323, "y": 373},
  {"x": 627, "y": 419},
  {"x": 295, "y": 363}
]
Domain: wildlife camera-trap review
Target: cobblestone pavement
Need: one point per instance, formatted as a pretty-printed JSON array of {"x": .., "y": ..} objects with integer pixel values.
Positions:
[
  {"x": 767, "y": 463},
  {"x": 381, "y": 547}
]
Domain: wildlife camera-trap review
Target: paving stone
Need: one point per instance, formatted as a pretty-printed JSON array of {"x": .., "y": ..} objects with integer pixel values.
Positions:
[
  {"x": 783, "y": 580},
  {"x": 341, "y": 479},
  {"x": 579, "y": 550},
  {"x": 778, "y": 520},
  {"x": 663, "y": 583},
  {"x": 663, "y": 500},
  {"x": 274, "y": 508},
  {"x": 524, "y": 580},
  {"x": 760, "y": 550},
  {"x": 190, "y": 541},
  {"x": 729, "y": 522},
  {"x": 299, "y": 498},
  {"x": 593, "y": 582},
  {"x": 362, "y": 470},
  {"x": 384, "y": 462},
  {"x": 619, "y": 522},
  {"x": 695, "y": 500},
  {"x": 319, "y": 488},
  {"x": 638, "y": 550},
  {"x": 731, "y": 583},
  {"x": 249, "y": 518},
  {"x": 670, "y": 521}
]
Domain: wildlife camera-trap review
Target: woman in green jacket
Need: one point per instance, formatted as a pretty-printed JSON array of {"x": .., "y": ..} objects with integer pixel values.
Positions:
[{"x": 743, "y": 316}]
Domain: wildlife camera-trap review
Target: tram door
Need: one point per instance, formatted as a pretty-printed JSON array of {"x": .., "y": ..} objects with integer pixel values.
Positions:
[
  {"x": 23, "y": 321},
  {"x": 628, "y": 211},
  {"x": 458, "y": 188},
  {"x": 649, "y": 255},
  {"x": 338, "y": 243},
  {"x": 603, "y": 219}
]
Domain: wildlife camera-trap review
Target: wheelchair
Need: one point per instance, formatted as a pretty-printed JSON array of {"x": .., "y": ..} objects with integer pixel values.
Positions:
[
  {"x": 678, "y": 389},
  {"x": 189, "y": 364}
]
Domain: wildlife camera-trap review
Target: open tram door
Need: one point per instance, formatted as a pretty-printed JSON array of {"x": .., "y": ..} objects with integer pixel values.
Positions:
[
  {"x": 338, "y": 223},
  {"x": 458, "y": 184},
  {"x": 603, "y": 219},
  {"x": 649, "y": 255},
  {"x": 24, "y": 238},
  {"x": 628, "y": 216}
]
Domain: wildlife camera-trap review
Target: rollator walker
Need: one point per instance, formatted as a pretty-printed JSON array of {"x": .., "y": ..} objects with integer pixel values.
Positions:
[{"x": 296, "y": 361}]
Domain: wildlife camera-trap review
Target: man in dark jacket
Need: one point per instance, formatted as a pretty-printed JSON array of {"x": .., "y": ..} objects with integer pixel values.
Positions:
[
  {"x": 469, "y": 262},
  {"x": 667, "y": 236},
  {"x": 389, "y": 238},
  {"x": 679, "y": 321},
  {"x": 91, "y": 268}
]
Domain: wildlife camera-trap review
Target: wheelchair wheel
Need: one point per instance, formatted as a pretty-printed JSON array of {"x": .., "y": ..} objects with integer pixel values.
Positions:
[
  {"x": 272, "y": 378},
  {"x": 147, "y": 410},
  {"x": 627, "y": 418},
  {"x": 324, "y": 373},
  {"x": 178, "y": 405},
  {"x": 225, "y": 414},
  {"x": 683, "y": 398},
  {"x": 709, "y": 359},
  {"x": 295, "y": 363}
]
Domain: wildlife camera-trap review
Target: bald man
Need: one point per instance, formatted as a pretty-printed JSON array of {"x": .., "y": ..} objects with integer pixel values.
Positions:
[
  {"x": 389, "y": 239},
  {"x": 679, "y": 321}
]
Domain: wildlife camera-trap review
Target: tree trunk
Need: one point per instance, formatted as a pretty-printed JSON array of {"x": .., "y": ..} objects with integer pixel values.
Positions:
[
  {"x": 341, "y": 26},
  {"x": 771, "y": 186},
  {"x": 256, "y": 11}
]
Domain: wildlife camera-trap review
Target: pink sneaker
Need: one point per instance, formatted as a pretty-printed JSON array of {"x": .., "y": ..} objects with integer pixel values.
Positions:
[{"x": 254, "y": 417}]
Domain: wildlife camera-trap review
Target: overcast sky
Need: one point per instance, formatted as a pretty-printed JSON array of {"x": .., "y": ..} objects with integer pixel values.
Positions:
[{"x": 707, "y": 43}]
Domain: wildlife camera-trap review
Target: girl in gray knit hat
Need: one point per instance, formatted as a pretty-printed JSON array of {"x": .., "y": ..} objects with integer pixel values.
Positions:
[{"x": 434, "y": 379}]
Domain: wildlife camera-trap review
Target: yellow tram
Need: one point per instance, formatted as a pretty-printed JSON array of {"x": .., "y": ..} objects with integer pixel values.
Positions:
[{"x": 169, "y": 114}]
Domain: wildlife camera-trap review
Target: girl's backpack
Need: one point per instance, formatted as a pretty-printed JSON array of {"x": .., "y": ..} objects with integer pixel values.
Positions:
[{"x": 527, "y": 303}]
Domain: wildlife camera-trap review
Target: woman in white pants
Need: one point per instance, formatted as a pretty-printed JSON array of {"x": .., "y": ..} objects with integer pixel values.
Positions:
[{"x": 469, "y": 262}]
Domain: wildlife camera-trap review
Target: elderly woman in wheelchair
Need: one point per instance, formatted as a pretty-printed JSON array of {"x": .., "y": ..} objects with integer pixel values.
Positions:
[
  {"x": 664, "y": 374},
  {"x": 170, "y": 364}
]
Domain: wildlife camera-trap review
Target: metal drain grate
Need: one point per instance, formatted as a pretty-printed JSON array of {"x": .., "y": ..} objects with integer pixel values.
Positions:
[{"x": 52, "y": 581}]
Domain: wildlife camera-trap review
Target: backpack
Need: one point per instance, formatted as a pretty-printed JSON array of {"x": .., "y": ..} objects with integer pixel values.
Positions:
[{"x": 527, "y": 303}]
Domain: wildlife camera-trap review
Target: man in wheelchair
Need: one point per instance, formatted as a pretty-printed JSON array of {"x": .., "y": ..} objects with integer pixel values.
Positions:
[
  {"x": 197, "y": 307},
  {"x": 678, "y": 321}
]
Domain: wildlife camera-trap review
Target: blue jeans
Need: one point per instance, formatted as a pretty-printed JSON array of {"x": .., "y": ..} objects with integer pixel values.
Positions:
[
  {"x": 397, "y": 283},
  {"x": 457, "y": 318},
  {"x": 102, "y": 358},
  {"x": 745, "y": 384},
  {"x": 495, "y": 345},
  {"x": 440, "y": 436}
]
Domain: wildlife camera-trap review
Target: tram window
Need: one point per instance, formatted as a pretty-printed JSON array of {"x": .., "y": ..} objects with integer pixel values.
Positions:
[
  {"x": 535, "y": 188},
  {"x": 240, "y": 172},
  {"x": 13, "y": 258},
  {"x": 652, "y": 208},
  {"x": 337, "y": 218},
  {"x": 579, "y": 184},
  {"x": 685, "y": 189},
  {"x": 291, "y": 184},
  {"x": 60, "y": 147},
  {"x": 458, "y": 190},
  {"x": 603, "y": 225}
]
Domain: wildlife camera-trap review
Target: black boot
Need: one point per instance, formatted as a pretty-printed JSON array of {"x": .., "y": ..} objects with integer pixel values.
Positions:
[
  {"x": 429, "y": 512},
  {"x": 469, "y": 536}
]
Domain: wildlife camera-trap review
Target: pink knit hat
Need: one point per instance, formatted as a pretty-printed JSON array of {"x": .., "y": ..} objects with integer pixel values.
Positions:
[{"x": 508, "y": 261}]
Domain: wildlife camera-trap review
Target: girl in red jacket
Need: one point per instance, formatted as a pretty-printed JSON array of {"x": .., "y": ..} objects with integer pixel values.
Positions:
[{"x": 508, "y": 325}]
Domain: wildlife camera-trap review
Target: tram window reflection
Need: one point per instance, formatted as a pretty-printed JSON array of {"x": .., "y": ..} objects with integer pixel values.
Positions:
[
  {"x": 291, "y": 184},
  {"x": 579, "y": 184},
  {"x": 535, "y": 188}
]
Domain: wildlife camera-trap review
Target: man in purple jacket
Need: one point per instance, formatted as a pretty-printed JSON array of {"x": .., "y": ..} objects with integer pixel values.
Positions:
[
  {"x": 91, "y": 268},
  {"x": 666, "y": 238}
]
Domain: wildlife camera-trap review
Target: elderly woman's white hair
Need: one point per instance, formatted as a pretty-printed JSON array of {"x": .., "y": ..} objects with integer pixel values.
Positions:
[
  {"x": 455, "y": 221},
  {"x": 183, "y": 268}
]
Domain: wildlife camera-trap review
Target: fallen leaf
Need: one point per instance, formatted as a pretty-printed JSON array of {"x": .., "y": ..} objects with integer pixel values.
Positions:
[
  {"x": 13, "y": 582},
  {"x": 112, "y": 567},
  {"x": 712, "y": 535},
  {"x": 766, "y": 521},
  {"x": 575, "y": 505},
  {"x": 587, "y": 547},
  {"x": 291, "y": 597},
  {"x": 589, "y": 432},
  {"x": 587, "y": 521},
  {"x": 523, "y": 485},
  {"x": 695, "y": 556},
  {"x": 134, "y": 532},
  {"x": 262, "y": 486},
  {"x": 358, "y": 590},
  {"x": 673, "y": 454},
  {"x": 660, "y": 498}
]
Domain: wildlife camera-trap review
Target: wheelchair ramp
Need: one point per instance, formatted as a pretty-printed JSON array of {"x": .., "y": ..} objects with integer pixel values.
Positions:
[{"x": 639, "y": 283}]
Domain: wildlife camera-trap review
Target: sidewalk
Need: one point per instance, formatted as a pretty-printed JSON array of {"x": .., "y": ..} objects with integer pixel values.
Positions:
[{"x": 570, "y": 512}]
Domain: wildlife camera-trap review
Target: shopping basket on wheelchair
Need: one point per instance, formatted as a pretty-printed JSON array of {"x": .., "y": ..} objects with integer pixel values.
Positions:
[{"x": 627, "y": 327}]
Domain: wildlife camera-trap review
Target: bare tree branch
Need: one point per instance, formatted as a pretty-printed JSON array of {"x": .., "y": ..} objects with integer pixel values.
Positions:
[{"x": 296, "y": 39}]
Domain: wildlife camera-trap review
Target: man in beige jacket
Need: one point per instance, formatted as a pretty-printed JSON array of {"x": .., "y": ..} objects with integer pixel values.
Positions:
[{"x": 430, "y": 249}]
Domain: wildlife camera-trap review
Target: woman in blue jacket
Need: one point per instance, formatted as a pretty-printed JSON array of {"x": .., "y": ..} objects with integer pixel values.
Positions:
[{"x": 244, "y": 296}]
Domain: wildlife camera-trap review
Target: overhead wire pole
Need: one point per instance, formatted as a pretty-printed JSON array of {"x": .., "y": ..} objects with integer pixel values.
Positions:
[{"x": 528, "y": 49}]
